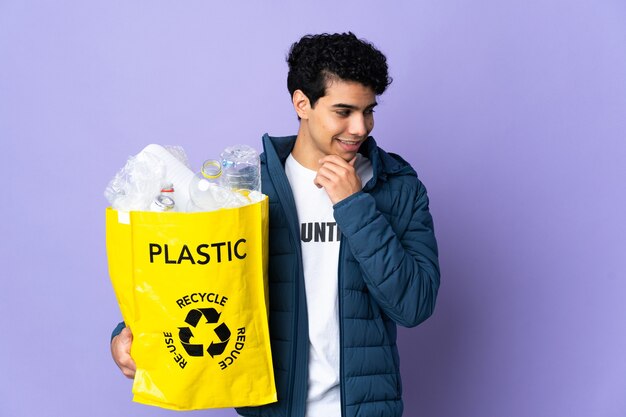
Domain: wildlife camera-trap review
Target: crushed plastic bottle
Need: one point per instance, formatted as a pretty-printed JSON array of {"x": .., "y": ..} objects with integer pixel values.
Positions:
[
  {"x": 241, "y": 168},
  {"x": 137, "y": 183}
]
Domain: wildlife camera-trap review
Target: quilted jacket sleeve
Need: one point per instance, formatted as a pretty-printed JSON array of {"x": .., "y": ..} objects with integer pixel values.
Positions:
[
  {"x": 401, "y": 270},
  {"x": 118, "y": 329}
]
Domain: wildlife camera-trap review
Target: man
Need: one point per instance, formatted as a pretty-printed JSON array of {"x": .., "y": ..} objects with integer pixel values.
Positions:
[{"x": 352, "y": 248}]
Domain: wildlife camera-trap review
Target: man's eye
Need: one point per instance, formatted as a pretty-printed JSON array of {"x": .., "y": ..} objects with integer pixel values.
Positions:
[
  {"x": 369, "y": 112},
  {"x": 344, "y": 113}
]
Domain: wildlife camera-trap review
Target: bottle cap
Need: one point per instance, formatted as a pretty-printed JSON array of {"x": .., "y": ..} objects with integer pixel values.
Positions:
[
  {"x": 164, "y": 202},
  {"x": 211, "y": 169}
]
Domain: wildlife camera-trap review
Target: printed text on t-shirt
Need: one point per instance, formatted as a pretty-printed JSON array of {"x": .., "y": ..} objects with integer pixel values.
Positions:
[{"x": 320, "y": 232}]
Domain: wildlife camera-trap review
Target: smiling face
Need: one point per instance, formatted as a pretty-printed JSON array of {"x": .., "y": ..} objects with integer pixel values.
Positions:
[{"x": 338, "y": 123}]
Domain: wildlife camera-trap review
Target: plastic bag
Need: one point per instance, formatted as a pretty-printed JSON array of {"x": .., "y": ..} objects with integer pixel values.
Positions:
[{"x": 192, "y": 287}]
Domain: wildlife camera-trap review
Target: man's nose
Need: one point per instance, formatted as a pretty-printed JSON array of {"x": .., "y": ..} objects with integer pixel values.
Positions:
[{"x": 358, "y": 125}]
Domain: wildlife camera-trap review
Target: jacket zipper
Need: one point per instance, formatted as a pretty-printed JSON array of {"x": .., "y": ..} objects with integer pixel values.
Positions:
[
  {"x": 300, "y": 359},
  {"x": 341, "y": 342},
  {"x": 283, "y": 183}
]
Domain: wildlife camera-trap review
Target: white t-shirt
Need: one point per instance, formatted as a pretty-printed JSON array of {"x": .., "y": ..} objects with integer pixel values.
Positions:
[{"x": 319, "y": 237}]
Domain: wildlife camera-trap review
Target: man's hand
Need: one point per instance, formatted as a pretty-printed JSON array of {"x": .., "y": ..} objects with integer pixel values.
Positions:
[
  {"x": 338, "y": 177},
  {"x": 120, "y": 350}
]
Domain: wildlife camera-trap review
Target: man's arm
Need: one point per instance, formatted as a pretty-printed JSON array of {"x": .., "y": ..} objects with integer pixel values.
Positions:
[{"x": 401, "y": 272}]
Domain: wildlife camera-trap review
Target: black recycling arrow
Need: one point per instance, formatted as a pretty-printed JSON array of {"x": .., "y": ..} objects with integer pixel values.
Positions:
[
  {"x": 193, "y": 350},
  {"x": 185, "y": 334},
  {"x": 216, "y": 348},
  {"x": 223, "y": 332},
  {"x": 193, "y": 317},
  {"x": 210, "y": 314}
]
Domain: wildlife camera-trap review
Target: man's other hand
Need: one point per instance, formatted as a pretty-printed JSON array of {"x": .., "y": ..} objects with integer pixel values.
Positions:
[
  {"x": 120, "y": 350},
  {"x": 338, "y": 177}
]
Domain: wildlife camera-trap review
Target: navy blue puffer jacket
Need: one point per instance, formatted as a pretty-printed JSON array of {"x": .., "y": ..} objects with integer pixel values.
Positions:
[{"x": 388, "y": 275}]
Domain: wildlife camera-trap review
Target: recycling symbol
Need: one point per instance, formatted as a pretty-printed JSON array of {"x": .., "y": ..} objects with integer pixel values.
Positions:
[{"x": 221, "y": 331}]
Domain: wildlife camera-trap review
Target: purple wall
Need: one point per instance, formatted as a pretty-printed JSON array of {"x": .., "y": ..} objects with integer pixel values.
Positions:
[{"x": 514, "y": 114}]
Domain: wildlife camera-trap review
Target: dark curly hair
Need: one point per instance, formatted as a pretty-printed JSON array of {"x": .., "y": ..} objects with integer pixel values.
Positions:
[{"x": 316, "y": 59}]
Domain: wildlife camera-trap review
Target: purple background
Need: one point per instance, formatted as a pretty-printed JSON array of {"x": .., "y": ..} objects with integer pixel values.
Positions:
[{"x": 513, "y": 113}]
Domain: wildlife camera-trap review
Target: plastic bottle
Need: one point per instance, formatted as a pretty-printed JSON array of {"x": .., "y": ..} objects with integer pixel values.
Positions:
[
  {"x": 241, "y": 168},
  {"x": 168, "y": 190},
  {"x": 205, "y": 189},
  {"x": 176, "y": 172}
]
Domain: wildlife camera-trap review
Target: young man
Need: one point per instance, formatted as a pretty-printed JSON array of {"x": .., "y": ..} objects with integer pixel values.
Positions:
[{"x": 352, "y": 248}]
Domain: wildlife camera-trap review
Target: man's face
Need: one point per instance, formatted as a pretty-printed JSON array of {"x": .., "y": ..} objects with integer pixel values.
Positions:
[{"x": 337, "y": 125}]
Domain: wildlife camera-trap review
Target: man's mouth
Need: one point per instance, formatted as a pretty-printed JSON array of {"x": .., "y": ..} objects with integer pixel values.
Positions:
[{"x": 349, "y": 142}]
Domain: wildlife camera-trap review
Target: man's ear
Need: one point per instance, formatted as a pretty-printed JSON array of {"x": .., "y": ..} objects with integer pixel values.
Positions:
[{"x": 301, "y": 104}]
